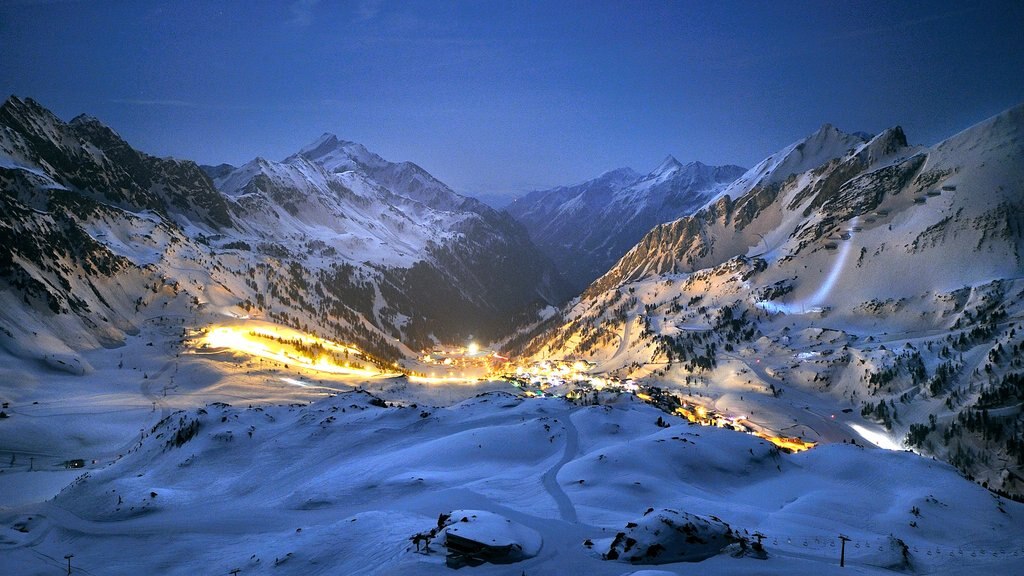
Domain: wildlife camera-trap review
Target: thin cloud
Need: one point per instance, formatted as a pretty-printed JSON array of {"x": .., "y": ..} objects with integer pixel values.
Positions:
[
  {"x": 167, "y": 103},
  {"x": 368, "y": 10},
  {"x": 302, "y": 12},
  {"x": 897, "y": 27},
  {"x": 289, "y": 106},
  {"x": 22, "y": 3}
]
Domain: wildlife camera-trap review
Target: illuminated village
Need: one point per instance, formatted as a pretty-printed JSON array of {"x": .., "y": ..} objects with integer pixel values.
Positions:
[{"x": 575, "y": 380}]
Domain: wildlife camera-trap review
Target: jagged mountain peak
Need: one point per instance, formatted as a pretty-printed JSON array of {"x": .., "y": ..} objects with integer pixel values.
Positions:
[
  {"x": 91, "y": 129},
  {"x": 87, "y": 120},
  {"x": 88, "y": 157},
  {"x": 337, "y": 155},
  {"x": 668, "y": 166},
  {"x": 895, "y": 135},
  {"x": 816, "y": 149},
  {"x": 888, "y": 142},
  {"x": 828, "y": 135},
  {"x": 24, "y": 105},
  {"x": 827, "y": 128},
  {"x": 30, "y": 117},
  {"x": 326, "y": 143},
  {"x": 403, "y": 178}
]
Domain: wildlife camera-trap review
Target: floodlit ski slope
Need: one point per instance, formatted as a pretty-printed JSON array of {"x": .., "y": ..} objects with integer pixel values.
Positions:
[{"x": 339, "y": 487}]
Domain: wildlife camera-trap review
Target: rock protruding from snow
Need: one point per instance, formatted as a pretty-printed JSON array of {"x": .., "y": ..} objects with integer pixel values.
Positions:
[
  {"x": 665, "y": 536},
  {"x": 473, "y": 537},
  {"x": 888, "y": 143}
]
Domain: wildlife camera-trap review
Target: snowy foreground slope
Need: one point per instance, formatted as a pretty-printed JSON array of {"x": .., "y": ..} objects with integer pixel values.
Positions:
[
  {"x": 340, "y": 486},
  {"x": 879, "y": 278}
]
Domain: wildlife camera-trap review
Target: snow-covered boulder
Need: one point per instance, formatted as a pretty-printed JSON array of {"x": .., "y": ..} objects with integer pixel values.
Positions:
[
  {"x": 473, "y": 537},
  {"x": 894, "y": 554},
  {"x": 665, "y": 536}
]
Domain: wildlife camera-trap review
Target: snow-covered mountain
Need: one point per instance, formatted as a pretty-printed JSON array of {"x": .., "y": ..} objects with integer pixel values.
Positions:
[
  {"x": 885, "y": 276},
  {"x": 334, "y": 239},
  {"x": 585, "y": 228}
]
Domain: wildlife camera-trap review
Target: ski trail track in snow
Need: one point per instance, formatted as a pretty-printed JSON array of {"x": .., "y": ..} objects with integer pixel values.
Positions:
[{"x": 566, "y": 509}]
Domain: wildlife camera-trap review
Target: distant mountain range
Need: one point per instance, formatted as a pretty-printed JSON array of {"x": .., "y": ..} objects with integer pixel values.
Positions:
[{"x": 585, "y": 228}]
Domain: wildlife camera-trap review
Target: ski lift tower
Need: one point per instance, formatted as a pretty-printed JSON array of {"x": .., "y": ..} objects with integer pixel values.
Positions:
[{"x": 842, "y": 550}]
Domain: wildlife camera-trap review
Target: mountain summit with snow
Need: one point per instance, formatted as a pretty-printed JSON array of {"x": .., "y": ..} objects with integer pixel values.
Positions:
[{"x": 585, "y": 228}]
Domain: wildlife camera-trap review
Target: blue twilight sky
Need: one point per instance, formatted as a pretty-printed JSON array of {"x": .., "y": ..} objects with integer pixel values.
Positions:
[{"x": 503, "y": 97}]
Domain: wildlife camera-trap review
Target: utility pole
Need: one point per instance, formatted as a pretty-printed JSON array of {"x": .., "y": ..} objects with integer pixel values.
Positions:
[
  {"x": 68, "y": 557},
  {"x": 842, "y": 550},
  {"x": 235, "y": 572}
]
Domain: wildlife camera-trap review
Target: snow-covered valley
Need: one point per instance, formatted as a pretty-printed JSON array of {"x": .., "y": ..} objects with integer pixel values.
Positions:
[{"x": 199, "y": 463}]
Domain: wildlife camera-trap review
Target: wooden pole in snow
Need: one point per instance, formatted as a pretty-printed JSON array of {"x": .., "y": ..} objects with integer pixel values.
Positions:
[{"x": 68, "y": 557}]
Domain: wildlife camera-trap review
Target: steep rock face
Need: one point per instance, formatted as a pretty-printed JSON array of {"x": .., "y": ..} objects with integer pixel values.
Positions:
[
  {"x": 91, "y": 159},
  {"x": 920, "y": 247},
  {"x": 587, "y": 227}
]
